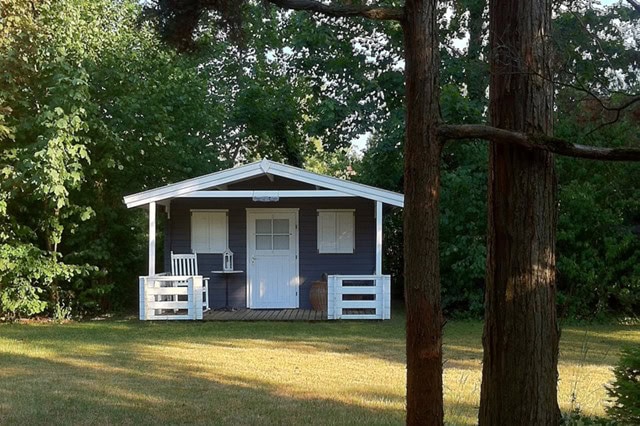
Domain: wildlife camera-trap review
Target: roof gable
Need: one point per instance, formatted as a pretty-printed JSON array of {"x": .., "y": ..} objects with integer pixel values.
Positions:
[
  {"x": 269, "y": 182},
  {"x": 264, "y": 167}
]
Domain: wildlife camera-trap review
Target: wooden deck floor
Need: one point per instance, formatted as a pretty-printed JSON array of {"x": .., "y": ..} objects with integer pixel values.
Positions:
[{"x": 265, "y": 315}]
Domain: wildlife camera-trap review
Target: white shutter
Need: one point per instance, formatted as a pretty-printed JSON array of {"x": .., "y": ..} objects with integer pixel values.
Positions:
[
  {"x": 217, "y": 232},
  {"x": 199, "y": 232},
  {"x": 336, "y": 231},
  {"x": 209, "y": 232},
  {"x": 327, "y": 232},
  {"x": 345, "y": 232}
]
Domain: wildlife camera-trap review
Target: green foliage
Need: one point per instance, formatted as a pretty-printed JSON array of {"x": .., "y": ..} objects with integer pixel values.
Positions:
[
  {"x": 92, "y": 107},
  {"x": 19, "y": 296},
  {"x": 463, "y": 211},
  {"x": 598, "y": 265},
  {"x": 43, "y": 158},
  {"x": 286, "y": 82},
  {"x": 576, "y": 418},
  {"x": 598, "y": 251},
  {"x": 625, "y": 389},
  {"x": 462, "y": 206},
  {"x": 382, "y": 164},
  {"x": 26, "y": 274},
  {"x": 339, "y": 163},
  {"x": 268, "y": 110},
  {"x": 595, "y": 48},
  {"x": 462, "y": 234}
]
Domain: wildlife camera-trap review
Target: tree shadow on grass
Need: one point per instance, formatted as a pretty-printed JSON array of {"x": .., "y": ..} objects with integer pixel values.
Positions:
[
  {"x": 113, "y": 369},
  {"x": 64, "y": 391},
  {"x": 377, "y": 340},
  {"x": 384, "y": 340},
  {"x": 598, "y": 345},
  {"x": 39, "y": 391},
  {"x": 133, "y": 373}
]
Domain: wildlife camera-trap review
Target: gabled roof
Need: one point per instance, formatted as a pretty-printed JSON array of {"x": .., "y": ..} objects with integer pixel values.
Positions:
[{"x": 259, "y": 168}]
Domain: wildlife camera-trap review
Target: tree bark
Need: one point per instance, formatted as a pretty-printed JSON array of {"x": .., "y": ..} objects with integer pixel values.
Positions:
[
  {"x": 421, "y": 212},
  {"x": 520, "y": 340}
]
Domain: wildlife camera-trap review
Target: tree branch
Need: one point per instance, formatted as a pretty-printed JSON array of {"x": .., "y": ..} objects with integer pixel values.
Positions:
[
  {"x": 343, "y": 10},
  {"x": 635, "y": 5},
  {"x": 618, "y": 112},
  {"x": 546, "y": 143}
]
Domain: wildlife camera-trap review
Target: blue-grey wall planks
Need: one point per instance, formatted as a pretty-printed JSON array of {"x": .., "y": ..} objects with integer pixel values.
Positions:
[{"x": 312, "y": 264}]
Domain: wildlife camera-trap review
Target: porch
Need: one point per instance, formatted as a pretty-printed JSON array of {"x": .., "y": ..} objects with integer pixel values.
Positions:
[
  {"x": 355, "y": 297},
  {"x": 265, "y": 315}
]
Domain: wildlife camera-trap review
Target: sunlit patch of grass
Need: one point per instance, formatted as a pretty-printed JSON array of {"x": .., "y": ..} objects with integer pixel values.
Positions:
[
  {"x": 137, "y": 373},
  {"x": 587, "y": 356},
  {"x": 462, "y": 395}
]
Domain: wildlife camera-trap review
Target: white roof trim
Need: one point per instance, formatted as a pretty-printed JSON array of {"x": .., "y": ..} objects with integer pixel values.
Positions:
[
  {"x": 185, "y": 187},
  {"x": 264, "y": 165},
  {"x": 310, "y": 193}
]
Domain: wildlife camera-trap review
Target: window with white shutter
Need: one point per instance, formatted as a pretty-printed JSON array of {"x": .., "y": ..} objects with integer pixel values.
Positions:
[
  {"x": 336, "y": 231},
  {"x": 209, "y": 231}
]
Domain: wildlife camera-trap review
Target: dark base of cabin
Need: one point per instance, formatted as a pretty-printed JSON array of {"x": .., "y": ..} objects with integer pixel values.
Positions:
[{"x": 265, "y": 315}]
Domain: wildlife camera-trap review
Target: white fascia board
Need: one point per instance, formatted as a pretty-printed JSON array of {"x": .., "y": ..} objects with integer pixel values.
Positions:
[
  {"x": 259, "y": 193},
  {"x": 348, "y": 187},
  {"x": 189, "y": 186},
  {"x": 195, "y": 184}
]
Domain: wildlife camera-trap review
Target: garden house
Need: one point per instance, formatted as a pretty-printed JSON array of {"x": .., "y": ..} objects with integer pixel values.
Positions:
[{"x": 261, "y": 236}]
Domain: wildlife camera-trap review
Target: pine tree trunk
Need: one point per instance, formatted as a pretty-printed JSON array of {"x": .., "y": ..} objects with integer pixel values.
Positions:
[
  {"x": 519, "y": 380},
  {"x": 422, "y": 186}
]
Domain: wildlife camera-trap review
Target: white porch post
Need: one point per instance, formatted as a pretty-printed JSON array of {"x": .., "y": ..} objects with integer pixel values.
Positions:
[
  {"x": 152, "y": 238},
  {"x": 378, "y": 238}
]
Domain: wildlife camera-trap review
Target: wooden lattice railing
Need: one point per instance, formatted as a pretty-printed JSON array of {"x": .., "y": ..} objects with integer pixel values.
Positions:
[
  {"x": 359, "y": 297},
  {"x": 165, "y": 297}
]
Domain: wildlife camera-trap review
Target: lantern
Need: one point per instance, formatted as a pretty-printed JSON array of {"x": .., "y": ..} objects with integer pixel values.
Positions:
[{"x": 227, "y": 260}]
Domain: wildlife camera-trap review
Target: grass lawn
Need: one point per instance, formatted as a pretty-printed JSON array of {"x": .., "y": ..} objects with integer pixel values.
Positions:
[{"x": 129, "y": 372}]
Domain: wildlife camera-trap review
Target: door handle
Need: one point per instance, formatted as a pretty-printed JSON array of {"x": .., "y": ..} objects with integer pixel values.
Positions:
[{"x": 253, "y": 259}]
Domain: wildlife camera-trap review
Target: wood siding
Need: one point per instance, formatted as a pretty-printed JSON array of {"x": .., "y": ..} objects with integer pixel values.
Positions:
[
  {"x": 312, "y": 264},
  {"x": 264, "y": 183}
]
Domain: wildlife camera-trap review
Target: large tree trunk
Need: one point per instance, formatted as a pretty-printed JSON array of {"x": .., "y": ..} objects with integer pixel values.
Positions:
[
  {"x": 422, "y": 186},
  {"x": 519, "y": 380}
]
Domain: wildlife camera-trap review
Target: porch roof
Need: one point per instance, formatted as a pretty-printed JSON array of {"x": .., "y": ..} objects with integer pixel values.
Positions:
[{"x": 196, "y": 187}]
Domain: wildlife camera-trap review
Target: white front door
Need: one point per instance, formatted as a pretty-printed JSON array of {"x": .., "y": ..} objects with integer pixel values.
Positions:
[{"x": 272, "y": 258}]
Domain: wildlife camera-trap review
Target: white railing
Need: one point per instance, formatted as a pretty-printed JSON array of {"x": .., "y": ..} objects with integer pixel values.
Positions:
[
  {"x": 164, "y": 297},
  {"x": 359, "y": 297}
]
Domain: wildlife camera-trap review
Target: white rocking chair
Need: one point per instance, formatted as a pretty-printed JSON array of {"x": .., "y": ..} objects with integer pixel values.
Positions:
[{"x": 187, "y": 264}]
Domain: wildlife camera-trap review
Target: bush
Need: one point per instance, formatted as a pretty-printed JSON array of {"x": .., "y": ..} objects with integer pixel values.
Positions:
[
  {"x": 625, "y": 389},
  {"x": 576, "y": 418},
  {"x": 28, "y": 280}
]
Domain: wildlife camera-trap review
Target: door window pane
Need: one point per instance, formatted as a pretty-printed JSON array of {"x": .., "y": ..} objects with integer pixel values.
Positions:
[
  {"x": 263, "y": 226},
  {"x": 281, "y": 226},
  {"x": 281, "y": 242},
  {"x": 263, "y": 242}
]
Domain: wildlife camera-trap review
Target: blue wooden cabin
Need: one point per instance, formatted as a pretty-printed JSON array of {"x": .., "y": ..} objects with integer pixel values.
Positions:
[{"x": 286, "y": 228}]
